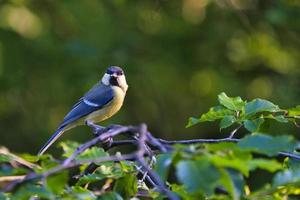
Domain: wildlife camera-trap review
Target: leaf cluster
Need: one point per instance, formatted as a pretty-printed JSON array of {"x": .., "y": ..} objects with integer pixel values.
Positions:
[{"x": 219, "y": 170}]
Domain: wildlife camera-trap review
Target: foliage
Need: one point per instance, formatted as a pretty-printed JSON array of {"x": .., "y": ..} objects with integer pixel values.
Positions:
[
  {"x": 177, "y": 56},
  {"x": 220, "y": 170}
]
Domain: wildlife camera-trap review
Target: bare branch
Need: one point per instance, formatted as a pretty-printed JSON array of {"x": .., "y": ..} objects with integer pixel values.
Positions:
[{"x": 147, "y": 146}]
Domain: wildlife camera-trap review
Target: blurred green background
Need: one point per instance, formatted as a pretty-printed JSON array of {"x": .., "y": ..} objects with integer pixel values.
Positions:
[{"x": 177, "y": 55}]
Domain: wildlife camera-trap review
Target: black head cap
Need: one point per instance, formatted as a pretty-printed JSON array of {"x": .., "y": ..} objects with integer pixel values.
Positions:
[{"x": 115, "y": 70}]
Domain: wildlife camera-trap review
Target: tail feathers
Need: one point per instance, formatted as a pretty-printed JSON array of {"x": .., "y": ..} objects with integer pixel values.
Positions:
[{"x": 53, "y": 138}]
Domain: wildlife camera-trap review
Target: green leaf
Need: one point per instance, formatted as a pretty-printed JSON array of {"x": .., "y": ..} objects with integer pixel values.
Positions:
[
  {"x": 245, "y": 165},
  {"x": 227, "y": 121},
  {"x": 286, "y": 177},
  {"x": 192, "y": 121},
  {"x": 181, "y": 191},
  {"x": 294, "y": 111},
  {"x": 29, "y": 191},
  {"x": 253, "y": 125},
  {"x": 214, "y": 113},
  {"x": 127, "y": 166},
  {"x": 198, "y": 175},
  {"x": 5, "y": 158},
  {"x": 110, "y": 196},
  {"x": 56, "y": 183},
  {"x": 90, "y": 178},
  {"x": 68, "y": 148},
  {"x": 82, "y": 193},
  {"x": 233, "y": 182},
  {"x": 102, "y": 172},
  {"x": 4, "y": 196},
  {"x": 92, "y": 153},
  {"x": 47, "y": 162},
  {"x": 126, "y": 186},
  {"x": 292, "y": 164},
  {"x": 260, "y": 105},
  {"x": 279, "y": 118},
  {"x": 266, "y": 144},
  {"x": 232, "y": 103},
  {"x": 233, "y": 163},
  {"x": 162, "y": 166},
  {"x": 29, "y": 157},
  {"x": 266, "y": 164}
]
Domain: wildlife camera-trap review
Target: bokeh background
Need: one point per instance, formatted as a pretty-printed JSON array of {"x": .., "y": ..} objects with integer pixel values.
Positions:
[{"x": 177, "y": 55}]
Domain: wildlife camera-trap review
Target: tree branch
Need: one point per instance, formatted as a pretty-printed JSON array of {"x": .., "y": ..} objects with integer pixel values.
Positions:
[{"x": 146, "y": 145}]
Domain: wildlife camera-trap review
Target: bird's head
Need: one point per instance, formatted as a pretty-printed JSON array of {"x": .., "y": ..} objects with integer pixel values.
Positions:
[{"x": 115, "y": 76}]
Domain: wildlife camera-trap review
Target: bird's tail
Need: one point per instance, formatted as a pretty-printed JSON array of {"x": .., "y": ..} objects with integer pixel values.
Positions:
[{"x": 53, "y": 138}]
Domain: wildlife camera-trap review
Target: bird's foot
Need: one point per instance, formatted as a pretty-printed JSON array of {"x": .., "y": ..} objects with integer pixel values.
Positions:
[{"x": 96, "y": 128}]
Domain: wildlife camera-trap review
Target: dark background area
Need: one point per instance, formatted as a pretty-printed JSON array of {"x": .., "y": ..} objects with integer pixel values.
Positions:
[{"x": 177, "y": 56}]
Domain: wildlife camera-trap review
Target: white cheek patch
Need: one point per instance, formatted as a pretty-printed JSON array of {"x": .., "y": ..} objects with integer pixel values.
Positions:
[
  {"x": 122, "y": 82},
  {"x": 105, "y": 79}
]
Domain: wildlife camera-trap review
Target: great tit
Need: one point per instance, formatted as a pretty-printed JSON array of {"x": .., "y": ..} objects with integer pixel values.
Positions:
[{"x": 99, "y": 103}]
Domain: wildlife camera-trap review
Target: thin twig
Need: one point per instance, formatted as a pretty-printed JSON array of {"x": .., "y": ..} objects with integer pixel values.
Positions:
[
  {"x": 155, "y": 177},
  {"x": 139, "y": 169},
  {"x": 146, "y": 144},
  {"x": 290, "y": 155},
  {"x": 140, "y": 159},
  {"x": 34, "y": 176},
  {"x": 101, "y": 137},
  {"x": 235, "y": 130},
  {"x": 195, "y": 141}
]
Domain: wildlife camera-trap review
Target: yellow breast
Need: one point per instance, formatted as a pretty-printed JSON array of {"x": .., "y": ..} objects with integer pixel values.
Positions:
[{"x": 110, "y": 109}]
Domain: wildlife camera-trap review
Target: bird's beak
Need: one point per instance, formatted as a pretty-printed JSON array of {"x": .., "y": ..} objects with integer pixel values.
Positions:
[{"x": 114, "y": 75}]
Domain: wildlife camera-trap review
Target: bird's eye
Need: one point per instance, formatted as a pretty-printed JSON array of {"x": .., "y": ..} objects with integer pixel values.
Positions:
[{"x": 119, "y": 73}]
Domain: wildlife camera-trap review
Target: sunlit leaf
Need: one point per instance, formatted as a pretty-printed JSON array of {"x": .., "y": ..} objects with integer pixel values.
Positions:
[
  {"x": 233, "y": 163},
  {"x": 90, "y": 178},
  {"x": 232, "y": 103},
  {"x": 127, "y": 166},
  {"x": 102, "y": 172},
  {"x": 29, "y": 157},
  {"x": 266, "y": 164},
  {"x": 294, "y": 111},
  {"x": 214, "y": 113},
  {"x": 92, "y": 153},
  {"x": 5, "y": 158},
  {"x": 229, "y": 149}
]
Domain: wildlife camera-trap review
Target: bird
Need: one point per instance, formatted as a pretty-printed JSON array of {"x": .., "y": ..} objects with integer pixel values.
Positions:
[{"x": 100, "y": 103}]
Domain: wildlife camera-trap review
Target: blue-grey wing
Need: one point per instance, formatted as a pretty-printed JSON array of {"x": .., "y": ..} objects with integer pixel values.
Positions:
[{"x": 93, "y": 100}]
